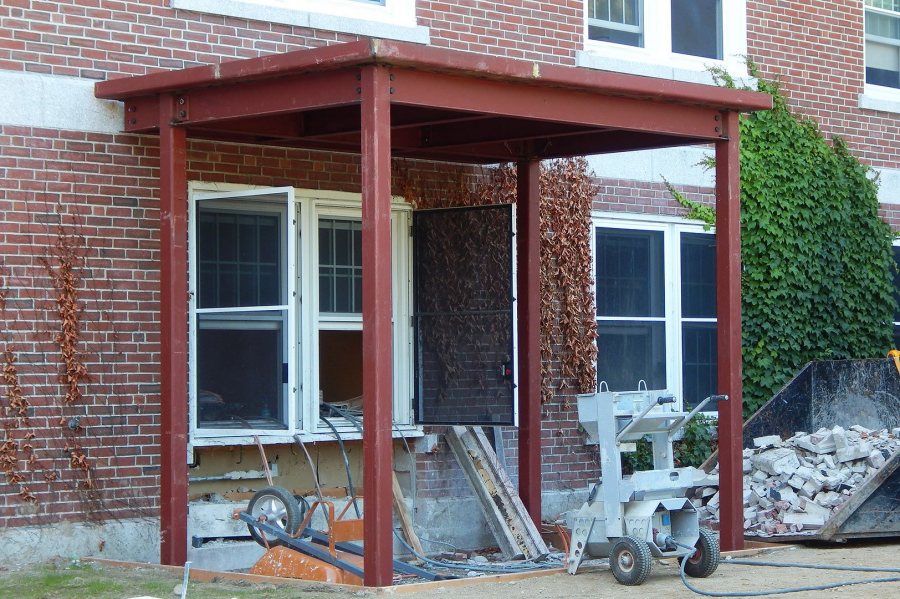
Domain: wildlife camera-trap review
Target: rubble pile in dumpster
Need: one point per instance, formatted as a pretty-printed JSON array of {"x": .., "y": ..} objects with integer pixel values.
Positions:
[{"x": 794, "y": 486}]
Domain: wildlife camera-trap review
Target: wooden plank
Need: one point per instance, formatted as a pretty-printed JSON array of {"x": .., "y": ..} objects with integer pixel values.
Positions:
[
  {"x": 403, "y": 514},
  {"x": 506, "y": 515}
]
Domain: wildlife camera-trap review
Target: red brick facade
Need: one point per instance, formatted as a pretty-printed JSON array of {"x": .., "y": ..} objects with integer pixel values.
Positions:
[{"x": 104, "y": 188}]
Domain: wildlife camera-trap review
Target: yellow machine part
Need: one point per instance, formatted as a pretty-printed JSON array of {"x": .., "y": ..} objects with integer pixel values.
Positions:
[{"x": 287, "y": 563}]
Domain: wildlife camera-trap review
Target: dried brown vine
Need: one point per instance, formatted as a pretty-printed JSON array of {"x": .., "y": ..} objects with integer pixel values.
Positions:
[
  {"x": 568, "y": 316},
  {"x": 63, "y": 267},
  {"x": 15, "y": 415}
]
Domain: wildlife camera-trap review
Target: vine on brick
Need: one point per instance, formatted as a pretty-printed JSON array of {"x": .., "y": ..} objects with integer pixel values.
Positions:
[
  {"x": 15, "y": 415},
  {"x": 63, "y": 267},
  {"x": 568, "y": 315},
  {"x": 817, "y": 259}
]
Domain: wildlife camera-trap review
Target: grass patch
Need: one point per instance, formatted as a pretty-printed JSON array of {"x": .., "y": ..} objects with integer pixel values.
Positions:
[{"x": 68, "y": 579}]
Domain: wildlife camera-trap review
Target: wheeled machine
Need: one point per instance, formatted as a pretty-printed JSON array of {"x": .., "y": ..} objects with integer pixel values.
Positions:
[{"x": 631, "y": 519}]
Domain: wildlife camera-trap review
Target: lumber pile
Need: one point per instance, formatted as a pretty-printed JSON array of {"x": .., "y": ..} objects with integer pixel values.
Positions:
[{"x": 793, "y": 486}]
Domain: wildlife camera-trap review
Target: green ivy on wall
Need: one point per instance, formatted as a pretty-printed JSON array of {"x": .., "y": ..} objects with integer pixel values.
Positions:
[{"x": 817, "y": 259}]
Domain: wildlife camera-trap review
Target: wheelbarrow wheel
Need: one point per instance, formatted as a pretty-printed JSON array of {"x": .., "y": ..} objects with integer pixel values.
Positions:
[
  {"x": 630, "y": 561},
  {"x": 279, "y": 508},
  {"x": 706, "y": 557}
]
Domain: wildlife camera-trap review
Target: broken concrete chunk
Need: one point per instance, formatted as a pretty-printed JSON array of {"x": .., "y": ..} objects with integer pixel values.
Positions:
[
  {"x": 767, "y": 441},
  {"x": 781, "y": 460},
  {"x": 817, "y": 442},
  {"x": 805, "y": 520},
  {"x": 853, "y": 451},
  {"x": 875, "y": 459},
  {"x": 811, "y": 507}
]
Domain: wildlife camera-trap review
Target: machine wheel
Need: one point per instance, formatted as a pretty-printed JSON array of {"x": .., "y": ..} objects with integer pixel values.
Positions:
[
  {"x": 629, "y": 560},
  {"x": 706, "y": 558},
  {"x": 280, "y": 509}
]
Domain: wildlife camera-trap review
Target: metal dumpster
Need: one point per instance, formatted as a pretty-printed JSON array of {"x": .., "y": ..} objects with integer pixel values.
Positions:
[{"x": 841, "y": 393}]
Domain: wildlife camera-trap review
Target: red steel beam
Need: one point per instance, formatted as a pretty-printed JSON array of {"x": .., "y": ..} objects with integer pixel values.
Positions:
[
  {"x": 173, "y": 355},
  {"x": 270, "y": 97},
  {"x": 439, "y": 90},
  {"x": 429, "y": 58},
  {"x": 377, "y": 316},
  {"x": 528, "y": 237},
  {"x": 728, "y": 304}
]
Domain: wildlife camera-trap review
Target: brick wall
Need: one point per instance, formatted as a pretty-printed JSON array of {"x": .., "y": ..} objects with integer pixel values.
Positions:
[
  {"x": 815, "y": 48},
  {"x": 105, "y": 186},
  {"x": 527, "y": 29}
]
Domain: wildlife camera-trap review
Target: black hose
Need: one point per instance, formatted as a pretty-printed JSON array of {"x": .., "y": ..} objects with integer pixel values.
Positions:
[
  {"x": 522, "y": 567},
  {"x": 821, "y": 587},
  {"x": 346, "y": 464}
]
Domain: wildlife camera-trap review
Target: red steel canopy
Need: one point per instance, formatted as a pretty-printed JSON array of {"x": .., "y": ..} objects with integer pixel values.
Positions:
[{"x": 381, "y": 99}]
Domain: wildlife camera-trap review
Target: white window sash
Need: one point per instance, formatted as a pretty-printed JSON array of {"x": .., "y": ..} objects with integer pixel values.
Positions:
[{"x": 300, "y": 210}]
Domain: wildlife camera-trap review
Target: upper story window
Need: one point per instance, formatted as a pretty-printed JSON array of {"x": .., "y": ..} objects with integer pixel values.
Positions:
[
  {"x": 674, "y": 39},
  {"x": 691, "y": 27},
  {"x": 616, "y": 21},
  {"x": 883, "y": 43}
]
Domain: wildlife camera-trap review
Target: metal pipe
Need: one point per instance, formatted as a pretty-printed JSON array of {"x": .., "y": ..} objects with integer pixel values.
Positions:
[
  {"x": 659, "y": 401},
  {"x": 694, "y": 412}
]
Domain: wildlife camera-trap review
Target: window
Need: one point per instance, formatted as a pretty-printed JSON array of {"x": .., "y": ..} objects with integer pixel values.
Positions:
[
  {"x": 656, "y": 302},
  {"x": 241, "y": 316},
  {"x": 264, "y": 360},
  {"x": 673, "y": 39},
  {"x": 694, "y": 26},
  {"x": 389, "y": 19},
  {"x": 883, "y": 43},
  {"x": 616, "y": 21}
]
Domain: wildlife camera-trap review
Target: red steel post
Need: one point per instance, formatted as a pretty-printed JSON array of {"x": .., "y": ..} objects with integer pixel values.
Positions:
[
  {"x": 377, "y": 307},
  {"x": 728, "y": 303},
  {"x": 173, "y": 318},
  {"x": 528, "y": 237}
]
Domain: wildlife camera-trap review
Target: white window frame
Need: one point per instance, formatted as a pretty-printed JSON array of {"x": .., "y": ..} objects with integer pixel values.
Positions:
[
  {"x": 391, "y": 19},
  {"x": 672, "y": 228},
  {"x": 656, "y": 59},
  {"x": 879, "y": 97},
  {"x": 301, "y": 209}
]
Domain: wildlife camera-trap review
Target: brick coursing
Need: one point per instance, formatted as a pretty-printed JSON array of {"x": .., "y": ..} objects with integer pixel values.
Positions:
[{"x": 106, "y": 185}]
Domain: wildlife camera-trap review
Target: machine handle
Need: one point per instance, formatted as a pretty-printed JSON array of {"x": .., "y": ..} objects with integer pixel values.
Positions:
[{"x": 664, "y": 399}]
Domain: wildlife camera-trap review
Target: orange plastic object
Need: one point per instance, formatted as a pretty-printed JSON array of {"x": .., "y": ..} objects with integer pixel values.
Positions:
[{"x": 287, "y": 563}]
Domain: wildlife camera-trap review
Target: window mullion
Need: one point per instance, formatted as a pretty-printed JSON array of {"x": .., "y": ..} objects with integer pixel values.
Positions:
[
  {"x": 291, "y": 299},
  {"x": 673, "y": 308},
  {"x": 657, "y": 16}
]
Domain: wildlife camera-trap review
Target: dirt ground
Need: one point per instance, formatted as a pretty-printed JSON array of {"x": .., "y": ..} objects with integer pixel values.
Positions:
[
  {"x": 79, "y": 580},
  {"x": 597, "y": 582}
]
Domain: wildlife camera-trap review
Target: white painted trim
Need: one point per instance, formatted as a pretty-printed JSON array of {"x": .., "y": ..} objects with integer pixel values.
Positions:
[
  {"x": 56, "y": 102},
  {"x": 514, "y": 287},
  {"x": 877, "y": 97},
  {"x": 395, "y": 19},
  {"x": 888, "y": 185},
  {"x": 656, "y": 58}
]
